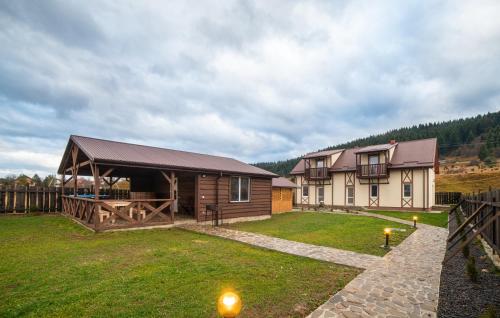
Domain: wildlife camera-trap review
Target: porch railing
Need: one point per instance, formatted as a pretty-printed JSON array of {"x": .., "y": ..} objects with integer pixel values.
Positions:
[
  {"x": 115, "y": 214},
  {"x": 372, "y": 170},
  {"x": 316, "y": 173}
]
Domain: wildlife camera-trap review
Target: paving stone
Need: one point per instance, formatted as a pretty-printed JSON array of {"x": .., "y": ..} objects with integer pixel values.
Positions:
[{"x": 403, "y": 283}]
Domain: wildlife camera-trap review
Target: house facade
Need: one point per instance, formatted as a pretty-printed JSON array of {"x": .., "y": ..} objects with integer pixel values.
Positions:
[
  {"x": 166, "y": 186},
  {"x": 396, "y": 175}
]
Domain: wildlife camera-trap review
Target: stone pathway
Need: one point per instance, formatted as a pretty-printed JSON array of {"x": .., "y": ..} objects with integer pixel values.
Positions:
[
  {"x": 403, "y": 283},
  {"x": 322, "y": 253}
]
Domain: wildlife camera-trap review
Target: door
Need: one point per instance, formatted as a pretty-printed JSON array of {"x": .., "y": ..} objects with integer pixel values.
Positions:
[
  {"x": 320, "y": 164},
  {"x": 321, "y": 195},
  {"x": 373, "y": 164},
  {"x": 350, "y": 195}
]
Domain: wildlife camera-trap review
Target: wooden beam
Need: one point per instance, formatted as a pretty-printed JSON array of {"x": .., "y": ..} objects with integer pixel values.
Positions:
[
  {"x": 481, "y": 229},
  {"x": 82, "y": 164},
  {"x": 107, "y": 173},
  {"x": 466, "y": 222},
  {"x": 456, "y": 206},
  {"x": 166, "y": 177}
]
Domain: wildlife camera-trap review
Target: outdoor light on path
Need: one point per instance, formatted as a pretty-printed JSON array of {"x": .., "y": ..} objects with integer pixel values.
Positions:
[
  {"x": 229, "y": 304},
  {"x": 387, "y": 232},
  {"x": 415, "y": 218}
]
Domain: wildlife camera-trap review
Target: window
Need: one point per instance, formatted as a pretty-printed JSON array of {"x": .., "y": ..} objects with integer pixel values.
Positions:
[
  {"x": 373, "y": 164},
  {"x": 374, "y": 190},
  {"x": 350, "y": 195},
  {"x": 320, "y": 163},
  {"x": 321, "y": 195},
  {"x": 240, "y": 189},
  {"x": 407, "y": 190},
  {"x": 305, "y": 191}
]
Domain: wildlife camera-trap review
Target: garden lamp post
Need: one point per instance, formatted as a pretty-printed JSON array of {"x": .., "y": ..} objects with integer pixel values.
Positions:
[
  {"x": 387, "y": 232},
  {"x": 229, "y": 305},
  {"x": 415, "y": 218}
]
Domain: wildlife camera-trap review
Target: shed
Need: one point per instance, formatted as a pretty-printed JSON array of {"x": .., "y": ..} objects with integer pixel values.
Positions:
[
  {"x": 282, "y": 194},
  {"x": 166, "y": 186}
]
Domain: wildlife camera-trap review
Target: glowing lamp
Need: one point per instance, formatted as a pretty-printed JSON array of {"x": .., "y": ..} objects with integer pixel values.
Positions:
[
  {"x": 387, "y": 232},
  {"x": 229, "y": 305}
]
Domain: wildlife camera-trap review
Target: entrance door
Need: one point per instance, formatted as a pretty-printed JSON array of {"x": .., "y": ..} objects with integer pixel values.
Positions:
[
  {"x": 373, "y": 162},
  {"x": 321, "y": 195},
  {"x": 350, "y": 195}
]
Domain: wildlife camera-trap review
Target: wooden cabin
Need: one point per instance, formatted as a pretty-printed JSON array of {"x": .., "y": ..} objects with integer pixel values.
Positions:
[
  {"x": 166, "y": 186},
  {"x": 282, "y": 195}
]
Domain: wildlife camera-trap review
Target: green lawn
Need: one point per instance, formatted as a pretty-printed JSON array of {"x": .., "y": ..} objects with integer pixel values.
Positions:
[
  {"x": 436, "y": 219},
  {"x": 355, "y": 233},
  {"x": 51, "y": 267}
]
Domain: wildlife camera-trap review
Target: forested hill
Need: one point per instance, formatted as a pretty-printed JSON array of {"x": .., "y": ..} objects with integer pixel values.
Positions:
[{"x": 480, "y": 133}]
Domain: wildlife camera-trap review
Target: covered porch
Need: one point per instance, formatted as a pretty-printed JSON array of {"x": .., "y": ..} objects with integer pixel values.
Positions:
[{"x": 157, "y": 197}]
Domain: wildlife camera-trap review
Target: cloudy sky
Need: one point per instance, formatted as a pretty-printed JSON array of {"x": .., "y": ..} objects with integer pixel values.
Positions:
[{"x": 254, "y": 80}]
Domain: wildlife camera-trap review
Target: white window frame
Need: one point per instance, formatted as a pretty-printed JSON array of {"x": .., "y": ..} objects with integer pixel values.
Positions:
[
  {"x": 371, "y": 193},
  {"x": 317, "y": 195},
  {"x": 239, "y": 189},
  {"x": 347, "y": 195},
  {"x": 302, "y": 191},
  {"x": 411, "y": 190}
]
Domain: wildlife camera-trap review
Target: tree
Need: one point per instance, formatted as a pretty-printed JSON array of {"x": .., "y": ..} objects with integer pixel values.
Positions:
[
  {"x": 484, "y": 152},
  {"x": 49, "y": 181},
  {"x": 36, "y": 180}
]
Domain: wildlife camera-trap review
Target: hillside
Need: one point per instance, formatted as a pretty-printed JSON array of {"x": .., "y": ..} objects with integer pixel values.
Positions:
[
  {"x": 476, "y": 137},
  {"x": 468, "y": 182}
]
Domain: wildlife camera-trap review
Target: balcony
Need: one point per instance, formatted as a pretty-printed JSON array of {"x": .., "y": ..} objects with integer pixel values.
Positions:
[
  {"x": 316, "y": 173},
  {"x": 372, "y": 171}
]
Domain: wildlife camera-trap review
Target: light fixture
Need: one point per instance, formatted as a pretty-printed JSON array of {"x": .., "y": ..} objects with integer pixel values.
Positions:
[
  {"x": 229, "y": 304},
  {"x": 415, "y": 218},
  {"x": 387, "y": 232}
]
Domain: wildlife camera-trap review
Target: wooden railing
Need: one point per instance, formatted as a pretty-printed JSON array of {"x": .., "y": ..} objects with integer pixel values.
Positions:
[
  {"x": 444, "y": 198},
  {"x": 114, "y": 214},
  {"x": 482, "y": 217},
  {"x": 316, "y": 173},
  {"x": 371, "y": 171}
]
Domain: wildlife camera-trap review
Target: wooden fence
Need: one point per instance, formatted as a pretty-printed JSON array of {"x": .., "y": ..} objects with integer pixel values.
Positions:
[
  {"x": 27, "y": 199},
  {"x": 482, "y": 217},
  {"x": 445, "y": 198}
]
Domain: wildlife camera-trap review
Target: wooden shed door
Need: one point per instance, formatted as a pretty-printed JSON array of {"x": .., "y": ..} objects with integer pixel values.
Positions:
[{"x": 282, "y": 200}]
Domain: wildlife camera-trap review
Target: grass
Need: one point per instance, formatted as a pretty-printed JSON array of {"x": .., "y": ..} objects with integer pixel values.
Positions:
[
  {"x": 355, "y": 233},
  {"x": 468, "y": 182},
  {"x": 52, "y": 267},
  {"x": 436, "y": 219}
]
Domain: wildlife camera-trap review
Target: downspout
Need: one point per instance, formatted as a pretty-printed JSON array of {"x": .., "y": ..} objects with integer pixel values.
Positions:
[{"x": 219, "y": 210}]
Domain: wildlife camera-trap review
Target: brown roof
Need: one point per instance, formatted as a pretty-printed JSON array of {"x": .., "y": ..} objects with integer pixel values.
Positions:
[
  {"x": 415, "y": 153},
  {"x": 407, "y": 154},
  {"x": 324, "y": 153},
  {"x": 299, "y": 167},
  {"x": 346, "y": 161},
  {"x": 283, "y": 183},
  {"x": 375, "y": 148},
  {"x": 106, "y": 151}
]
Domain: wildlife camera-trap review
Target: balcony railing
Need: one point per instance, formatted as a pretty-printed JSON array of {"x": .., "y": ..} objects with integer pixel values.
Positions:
[
  {"x": 372, "y": 171},
  {"x": 317, "y": 173}
]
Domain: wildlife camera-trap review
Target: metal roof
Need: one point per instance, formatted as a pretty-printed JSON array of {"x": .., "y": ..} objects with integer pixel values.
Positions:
[
  {"x": 375, "y": 148},
  {"x": 407, "y": 154},
  {"x": 324, "y": 153},
  {"x": 106, "y": 151},
  {"x": 283, "y": 183}
]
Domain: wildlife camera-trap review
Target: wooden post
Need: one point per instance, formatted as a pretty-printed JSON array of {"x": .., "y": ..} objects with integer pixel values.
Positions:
[
  {"x": 26, "y": 199},
  {"x": 43, "y": 199},
  {"x": 14, "y": 202},
  {"x": 6, "y": 199}
]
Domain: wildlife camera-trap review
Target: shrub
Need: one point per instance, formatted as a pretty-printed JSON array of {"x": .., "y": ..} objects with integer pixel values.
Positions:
[
  {"x": 465, "y": 251},
  {"x": 490, "y": 312},
  {"x": 471, "y": 269}
]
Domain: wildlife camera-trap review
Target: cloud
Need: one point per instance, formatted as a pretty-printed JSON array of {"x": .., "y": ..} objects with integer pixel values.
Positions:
[{"x": 245, "y": 79}]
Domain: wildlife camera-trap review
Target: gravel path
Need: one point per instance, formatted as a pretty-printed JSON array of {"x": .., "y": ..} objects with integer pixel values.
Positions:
[{"x": 458, "y": 296}]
